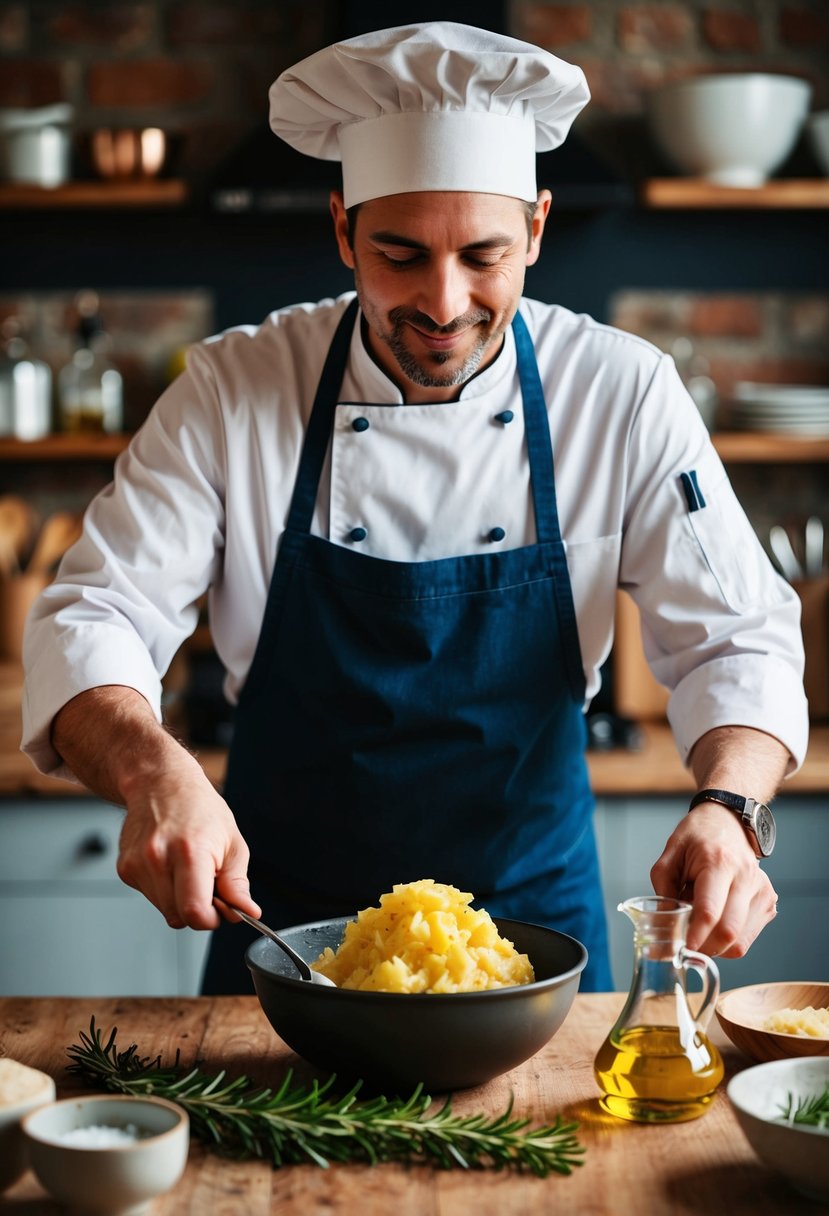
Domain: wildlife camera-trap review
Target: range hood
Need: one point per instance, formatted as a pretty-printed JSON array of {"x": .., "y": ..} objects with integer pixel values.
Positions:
[{"x": 265, "y": 175}]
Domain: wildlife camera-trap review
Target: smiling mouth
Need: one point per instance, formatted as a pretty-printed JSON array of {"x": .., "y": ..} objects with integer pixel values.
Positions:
[{"x": 439, "y": 342}]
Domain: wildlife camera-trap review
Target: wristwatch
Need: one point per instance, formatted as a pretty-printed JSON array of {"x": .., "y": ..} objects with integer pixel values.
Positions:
[{"x": 757, "y": 819}]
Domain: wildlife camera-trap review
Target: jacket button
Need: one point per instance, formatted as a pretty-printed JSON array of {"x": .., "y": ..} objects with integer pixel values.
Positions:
[
  {"x": 358, "y": 534},
  {"x": 505, "y": 416},
  {"x": 497, "y": 534},
  {"x": 360, "y": 424}
]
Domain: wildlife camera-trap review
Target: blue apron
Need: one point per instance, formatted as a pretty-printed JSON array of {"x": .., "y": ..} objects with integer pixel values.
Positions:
[{"x": 415, "y": 720}]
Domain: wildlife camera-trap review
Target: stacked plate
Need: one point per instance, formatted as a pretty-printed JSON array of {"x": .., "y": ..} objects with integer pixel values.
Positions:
[{"x": 797, "y": 409}]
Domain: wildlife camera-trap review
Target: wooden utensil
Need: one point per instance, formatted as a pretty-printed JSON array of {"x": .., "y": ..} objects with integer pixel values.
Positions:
[
  {"x": 17, "y": 524},
  {"x": 59, "y": 531}
]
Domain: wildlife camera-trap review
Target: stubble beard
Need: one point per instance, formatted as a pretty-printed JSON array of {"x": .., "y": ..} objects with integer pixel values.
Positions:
[{"x": 424, "y": 371}]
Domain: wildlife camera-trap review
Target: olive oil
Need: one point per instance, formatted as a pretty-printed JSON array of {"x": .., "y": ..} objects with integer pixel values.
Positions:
[{"x": 647, "y": 1074}]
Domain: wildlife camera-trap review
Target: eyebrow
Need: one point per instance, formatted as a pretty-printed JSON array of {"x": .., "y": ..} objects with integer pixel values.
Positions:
[{"x": 498, "y": 240}]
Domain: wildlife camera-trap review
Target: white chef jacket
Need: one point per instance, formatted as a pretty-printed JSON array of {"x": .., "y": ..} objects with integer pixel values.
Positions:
[{"x": 200, "y": 499}]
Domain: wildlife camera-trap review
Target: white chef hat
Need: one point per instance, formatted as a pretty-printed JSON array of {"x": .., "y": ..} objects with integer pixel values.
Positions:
[{"x": 434, "y": 106}]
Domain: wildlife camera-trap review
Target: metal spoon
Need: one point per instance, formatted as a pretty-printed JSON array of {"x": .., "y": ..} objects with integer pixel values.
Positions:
[
  {"x": 781, "y": 547},
  {"x": 814, "y": 546},
  {"x": 306, "y": 973}
]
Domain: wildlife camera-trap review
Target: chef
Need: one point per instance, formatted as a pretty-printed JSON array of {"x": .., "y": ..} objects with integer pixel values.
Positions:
[{"x": 411, "y": 508}]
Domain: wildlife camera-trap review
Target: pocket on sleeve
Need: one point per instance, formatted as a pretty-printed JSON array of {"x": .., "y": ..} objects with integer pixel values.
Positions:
[{"x": 730, "y": 549}]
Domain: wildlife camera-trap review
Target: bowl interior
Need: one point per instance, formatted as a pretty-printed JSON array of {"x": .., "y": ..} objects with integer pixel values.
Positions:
[
  {"x": 154, "y": 1118},
  {"x": 743, "y": 1012},
  {"x": 555, "y": 956},
  {"x": 762, "y": 1091}
]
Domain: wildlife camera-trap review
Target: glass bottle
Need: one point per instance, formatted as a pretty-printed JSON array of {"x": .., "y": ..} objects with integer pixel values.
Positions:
[
  {"x": 657, "y": 1065},
  {"x": 90, "y": 388},
  {"x": 25, "y": 387}
]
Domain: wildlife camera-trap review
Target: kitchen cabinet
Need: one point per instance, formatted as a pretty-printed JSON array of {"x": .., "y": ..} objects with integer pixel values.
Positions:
[
  {"x": 631, "y": 833},
  {"x": 68, "y": 925}
]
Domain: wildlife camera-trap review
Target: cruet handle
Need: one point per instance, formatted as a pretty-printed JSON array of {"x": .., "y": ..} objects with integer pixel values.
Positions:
[{"x": 706, "y": 969}]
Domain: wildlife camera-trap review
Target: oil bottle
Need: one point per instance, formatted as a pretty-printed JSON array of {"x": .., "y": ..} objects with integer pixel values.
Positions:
[{"x": 657, "y": 1065}]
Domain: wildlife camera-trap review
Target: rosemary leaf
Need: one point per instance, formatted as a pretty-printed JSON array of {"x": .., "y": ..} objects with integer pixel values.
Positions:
[
  {"x": 293, "y": 1124},
  {"x": 811, "y": 1111}
]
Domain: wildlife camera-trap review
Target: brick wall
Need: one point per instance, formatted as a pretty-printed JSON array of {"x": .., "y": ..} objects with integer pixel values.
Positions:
[
  {"x": 627, "y": 48},
  {"x": 198, "y": 68},
  {"x": 201, "y": 68}
]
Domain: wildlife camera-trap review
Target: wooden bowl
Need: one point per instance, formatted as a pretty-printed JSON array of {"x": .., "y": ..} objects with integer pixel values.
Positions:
[{"x": 742, "y": 1012}]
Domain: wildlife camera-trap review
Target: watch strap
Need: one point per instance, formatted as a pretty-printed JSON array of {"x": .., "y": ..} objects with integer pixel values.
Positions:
[{"x": 735, "y": 801}]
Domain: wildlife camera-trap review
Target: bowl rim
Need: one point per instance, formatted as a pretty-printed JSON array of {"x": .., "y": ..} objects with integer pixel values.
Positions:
[
  {"x": 749, "y": 1077},
  {"x": 708, "y": 79},
  {"x": 182, "y": 1121},
  {"x": 512, "y": 992},
  {"x": 724, "y": 997}
]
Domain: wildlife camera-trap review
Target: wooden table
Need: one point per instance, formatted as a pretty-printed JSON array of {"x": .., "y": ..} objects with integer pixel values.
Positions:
[{"x": 702, "y": 1168}]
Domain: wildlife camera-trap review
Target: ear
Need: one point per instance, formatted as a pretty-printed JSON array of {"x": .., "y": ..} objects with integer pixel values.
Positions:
[
  {"x": 338, "y": 215},
  {"x": 542, "y": 210}
]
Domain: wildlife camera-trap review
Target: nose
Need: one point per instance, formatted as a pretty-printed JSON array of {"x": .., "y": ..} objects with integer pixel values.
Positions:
[{"x": 444, "y": 293}]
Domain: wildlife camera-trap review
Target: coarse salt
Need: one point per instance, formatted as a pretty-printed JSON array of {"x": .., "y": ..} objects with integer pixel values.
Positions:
[{"x": 100, "y": 1135}]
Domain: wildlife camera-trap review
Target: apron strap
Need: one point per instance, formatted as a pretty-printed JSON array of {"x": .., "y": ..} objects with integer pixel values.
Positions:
[
  {"x": 317, "y": 435},
  {"x": 537, "y": 430}
]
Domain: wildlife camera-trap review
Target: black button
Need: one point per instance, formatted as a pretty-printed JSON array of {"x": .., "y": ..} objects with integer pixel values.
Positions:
[
  {"x": 360, "y": 424},
  {"x": 505, "y": 416},
  {"x": 497, "y": 534},
  {"x": 358, "y": 534}
]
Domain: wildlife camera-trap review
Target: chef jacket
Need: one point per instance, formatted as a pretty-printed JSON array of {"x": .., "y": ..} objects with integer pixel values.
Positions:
[{"x": 199, "y": 502}]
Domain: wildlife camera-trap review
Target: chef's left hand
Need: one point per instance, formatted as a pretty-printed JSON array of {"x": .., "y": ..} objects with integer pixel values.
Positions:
[{"x": 709, "y": 861}]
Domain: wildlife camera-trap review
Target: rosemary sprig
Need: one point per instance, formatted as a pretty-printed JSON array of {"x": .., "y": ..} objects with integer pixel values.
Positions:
[
  {"x": 813, "y": 1111},
  {"x": 294, "y": 1124}
]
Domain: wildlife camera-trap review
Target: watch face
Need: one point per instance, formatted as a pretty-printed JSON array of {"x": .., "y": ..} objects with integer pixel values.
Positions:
[{"x": 764, "y": 829}]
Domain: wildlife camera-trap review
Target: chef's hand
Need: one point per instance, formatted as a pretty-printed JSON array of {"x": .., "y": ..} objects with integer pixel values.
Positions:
[
  {"x": 179, "y": 838},
  {"x": 709, "y": 861},
  {"x": 179, "y": 842}
]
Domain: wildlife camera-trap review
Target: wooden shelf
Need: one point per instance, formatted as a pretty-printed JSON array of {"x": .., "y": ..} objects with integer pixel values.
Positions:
[
  {"x": 756, "y": 447},
  {"x": 95, "y": 194},
  {"x": 64, "y": 447},
  {"x": 695, "y": 193}
]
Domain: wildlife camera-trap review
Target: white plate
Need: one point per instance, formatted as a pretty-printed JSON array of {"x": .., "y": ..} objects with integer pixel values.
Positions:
[{"x": 782, "y": 394}]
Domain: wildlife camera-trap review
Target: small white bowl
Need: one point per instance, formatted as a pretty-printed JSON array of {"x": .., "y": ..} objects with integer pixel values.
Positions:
[
  {"x": 758, "y": 1096},
  {"x": 114, "y": 1180},
  {"x": 733, "y": 129},
  {"x": 41, "y": 1090}
]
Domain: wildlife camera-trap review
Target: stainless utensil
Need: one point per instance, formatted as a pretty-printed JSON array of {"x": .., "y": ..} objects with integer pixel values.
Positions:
[
  {"x": 814, "y": 547},
  {"x": 305, "y": 972},
  {"x": 782, "y": 549}
]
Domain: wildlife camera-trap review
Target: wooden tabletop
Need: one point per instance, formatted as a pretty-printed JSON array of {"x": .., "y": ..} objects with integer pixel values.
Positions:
[{"x": 700, "y": 1168}]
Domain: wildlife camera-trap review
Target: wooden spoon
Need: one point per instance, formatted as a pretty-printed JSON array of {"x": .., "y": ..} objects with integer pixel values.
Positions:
[{"x": 59, "y": 531}]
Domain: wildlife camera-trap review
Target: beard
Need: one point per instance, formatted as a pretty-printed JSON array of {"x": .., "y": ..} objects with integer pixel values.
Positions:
[{"x": 429, "y": 370}]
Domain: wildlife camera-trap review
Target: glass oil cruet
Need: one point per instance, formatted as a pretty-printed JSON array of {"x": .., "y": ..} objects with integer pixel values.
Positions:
[{"x": 657, "y": 1065}]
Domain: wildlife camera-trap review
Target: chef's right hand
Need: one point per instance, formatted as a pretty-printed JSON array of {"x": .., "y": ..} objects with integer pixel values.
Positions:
[{"x": 179, "y": 843}]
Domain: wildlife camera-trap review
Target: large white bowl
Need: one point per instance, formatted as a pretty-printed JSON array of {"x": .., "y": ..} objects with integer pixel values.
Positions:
[
  {"x": 800, "y": 1153},
  {"x": 734, "y": 130}
]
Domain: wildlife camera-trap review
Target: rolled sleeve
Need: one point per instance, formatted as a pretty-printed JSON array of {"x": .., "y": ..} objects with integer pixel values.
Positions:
[{"x": 720, "y": 628}]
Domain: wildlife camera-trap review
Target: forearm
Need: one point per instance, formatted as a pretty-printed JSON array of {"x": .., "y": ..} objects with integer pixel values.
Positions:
[
  {"x": 739, "y": 759},
  {"x": 111, "y": 741}
]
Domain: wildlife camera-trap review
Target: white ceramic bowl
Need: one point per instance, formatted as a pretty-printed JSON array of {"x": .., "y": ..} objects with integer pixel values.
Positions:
[
  {"x": 12, "y": 1146},
  {"x": 818, "y": 128},
  {"x": 108, "y": 1181},
  {"x": 801, "y": 1153},
  {"x": 734, "y": 130}
]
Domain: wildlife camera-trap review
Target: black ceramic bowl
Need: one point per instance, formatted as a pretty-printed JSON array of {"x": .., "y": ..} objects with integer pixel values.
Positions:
[{"x": 393, "y": 1041}]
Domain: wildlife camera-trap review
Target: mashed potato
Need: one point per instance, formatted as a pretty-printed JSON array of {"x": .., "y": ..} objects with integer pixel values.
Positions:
[
  {"x": 424, "y": 937},
  {"x": 811, "y": 1022}
]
